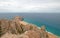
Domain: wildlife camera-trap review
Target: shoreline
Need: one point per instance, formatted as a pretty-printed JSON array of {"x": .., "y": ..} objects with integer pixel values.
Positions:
[
  {"x": 46, "y": 30},
  {"x": 19, "y": 26}
]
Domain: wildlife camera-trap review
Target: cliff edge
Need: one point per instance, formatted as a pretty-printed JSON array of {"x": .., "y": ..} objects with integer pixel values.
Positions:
[{"x": 17, "y": 28}]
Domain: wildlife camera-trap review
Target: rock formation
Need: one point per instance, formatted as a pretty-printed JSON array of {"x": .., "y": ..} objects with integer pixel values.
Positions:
[{"x": 17, "y": 28}]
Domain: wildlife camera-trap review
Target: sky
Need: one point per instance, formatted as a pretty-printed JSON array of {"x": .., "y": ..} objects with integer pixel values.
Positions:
[{"x": 49, "y": 6}]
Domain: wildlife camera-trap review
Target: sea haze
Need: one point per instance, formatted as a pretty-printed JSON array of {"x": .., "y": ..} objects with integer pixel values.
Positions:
[{"x": 50, "y": 20}]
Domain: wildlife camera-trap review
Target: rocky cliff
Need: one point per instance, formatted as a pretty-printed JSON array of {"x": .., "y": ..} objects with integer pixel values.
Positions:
[{"x": 17, "y": 28}]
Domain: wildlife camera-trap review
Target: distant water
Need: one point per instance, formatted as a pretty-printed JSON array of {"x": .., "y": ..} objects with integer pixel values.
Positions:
[{"x": 50, "y": 20}]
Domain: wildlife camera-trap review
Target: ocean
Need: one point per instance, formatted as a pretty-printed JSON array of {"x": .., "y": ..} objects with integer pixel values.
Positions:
[{"x": 50, "y": 20}]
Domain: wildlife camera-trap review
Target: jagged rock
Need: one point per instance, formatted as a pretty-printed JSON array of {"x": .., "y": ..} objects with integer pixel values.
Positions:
[
  {"x": 43, "y": 28},
  {"x": 12, "y": 27},
  {"x": 43, "y": 32},
  {"x": 17, "y": 28},
  {"x": 9, "y": 35},
  {"x": 19, "y": 18},
  {"x": 31, "y": 34},
  {"x": 4, "y": 24}
]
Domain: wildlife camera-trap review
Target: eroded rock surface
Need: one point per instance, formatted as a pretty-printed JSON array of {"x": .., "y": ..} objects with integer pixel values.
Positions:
[{"x": 17, "y": 28}]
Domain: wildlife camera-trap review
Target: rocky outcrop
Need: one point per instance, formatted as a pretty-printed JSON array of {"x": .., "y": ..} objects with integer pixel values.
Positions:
[
  {"x": 31, "y": 34},
  {"x": 17, "y": 28}
]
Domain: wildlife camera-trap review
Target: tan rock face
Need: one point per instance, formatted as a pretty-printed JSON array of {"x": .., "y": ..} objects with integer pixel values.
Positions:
[
  {"x": 4, "y": 24},
  {"x": 32, "y": 34},
  {"x": 9, "y": 35},
  {"x": 17, "y": 28},
  {"x": 43, "y": 33},
  {"x": 18, "y": 18},
  {"x": 52, "y": 36}
]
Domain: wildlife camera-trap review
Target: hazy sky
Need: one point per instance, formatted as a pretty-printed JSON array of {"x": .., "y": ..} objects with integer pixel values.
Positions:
[{"x": 30, "y": 6}]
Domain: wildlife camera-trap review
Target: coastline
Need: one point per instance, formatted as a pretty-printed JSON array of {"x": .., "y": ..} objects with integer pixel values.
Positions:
[
  {"x": 18, "y": 26},
  {"x": 49, "y": 33}
]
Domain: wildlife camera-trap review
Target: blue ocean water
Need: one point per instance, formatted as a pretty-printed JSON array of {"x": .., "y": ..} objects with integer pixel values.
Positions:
[{"x": 50, "y": 20}]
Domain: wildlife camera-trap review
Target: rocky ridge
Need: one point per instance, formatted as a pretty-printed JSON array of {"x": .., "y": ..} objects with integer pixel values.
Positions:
[{"x": 17, "y": 28}]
